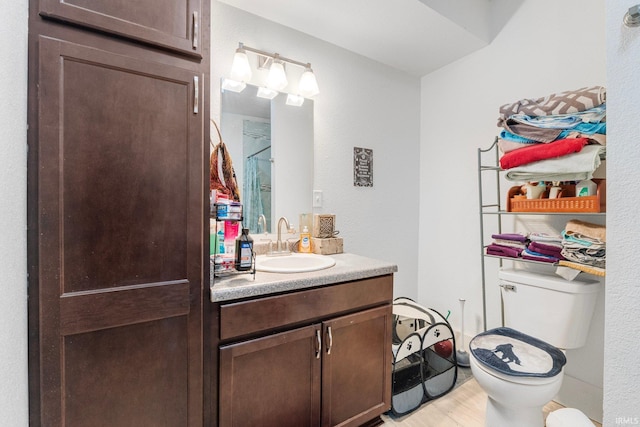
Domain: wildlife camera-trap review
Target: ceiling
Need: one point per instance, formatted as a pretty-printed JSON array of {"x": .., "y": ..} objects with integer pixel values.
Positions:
[{"x": 416, "y": 36}]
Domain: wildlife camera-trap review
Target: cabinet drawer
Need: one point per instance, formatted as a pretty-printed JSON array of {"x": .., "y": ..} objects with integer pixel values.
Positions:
[{"x": 249, "y": 317}]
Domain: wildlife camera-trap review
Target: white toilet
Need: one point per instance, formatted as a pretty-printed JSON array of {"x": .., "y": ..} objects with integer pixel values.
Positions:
[{"x": 520, "y": 366}]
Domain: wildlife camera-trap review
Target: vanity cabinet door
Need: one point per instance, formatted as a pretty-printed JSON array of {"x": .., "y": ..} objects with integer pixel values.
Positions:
[
  {"x": 271, "y": 381},
  {"x": 356, "y": 367},
  {"x": 172, "y": 24}
]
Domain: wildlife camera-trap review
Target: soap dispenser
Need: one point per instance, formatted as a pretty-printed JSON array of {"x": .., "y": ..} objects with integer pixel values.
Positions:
[{"x": 305, "y": 241}]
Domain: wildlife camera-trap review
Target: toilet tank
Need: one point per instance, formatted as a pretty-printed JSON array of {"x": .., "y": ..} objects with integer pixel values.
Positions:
[{"x": 548, "y": 307}]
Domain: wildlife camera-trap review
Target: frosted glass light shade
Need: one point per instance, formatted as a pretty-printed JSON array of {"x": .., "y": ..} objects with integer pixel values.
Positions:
[
  {"x": 295, "y": 100},
  {"x": 308, "y": 85},
  {"x": 277, "y": 78},
  {"x": 240, "y": 68},
  {"x": 233, "y": 86},
  {"x": 266, "y": 93}
]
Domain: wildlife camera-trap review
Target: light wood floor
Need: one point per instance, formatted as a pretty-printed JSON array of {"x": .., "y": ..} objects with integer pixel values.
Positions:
[{"x": 462, "y": 407}]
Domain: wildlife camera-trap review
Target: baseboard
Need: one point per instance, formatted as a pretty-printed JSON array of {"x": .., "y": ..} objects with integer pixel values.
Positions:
[{"x": 578, "y": 394}]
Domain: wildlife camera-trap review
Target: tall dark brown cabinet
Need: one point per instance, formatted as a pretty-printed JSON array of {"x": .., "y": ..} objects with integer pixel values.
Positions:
[{"x": 118, "y": 163}]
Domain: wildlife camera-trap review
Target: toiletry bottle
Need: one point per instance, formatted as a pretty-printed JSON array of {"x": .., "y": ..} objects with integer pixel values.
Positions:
[
  {"x": 220, "y": 248},
  {"x": 305, "y": 241},
  {"x": 231, "y": 229},
  {"x": 534, "y": 191},
  {"x": 212, "y": 238},
  {"x": 555, "y": 190},
  {"x": 244, "y": 251},
  {"x": 586, "y": 187}
]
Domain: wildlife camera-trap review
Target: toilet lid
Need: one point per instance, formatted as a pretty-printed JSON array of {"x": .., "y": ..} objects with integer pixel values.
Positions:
[{"x": 513, "y": 353}]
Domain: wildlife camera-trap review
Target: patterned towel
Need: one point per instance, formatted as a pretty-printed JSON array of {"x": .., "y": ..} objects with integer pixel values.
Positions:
[{"x": 558, "y": 103}]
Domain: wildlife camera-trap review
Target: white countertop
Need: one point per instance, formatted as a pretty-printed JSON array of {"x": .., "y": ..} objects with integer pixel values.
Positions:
[{"x": 348, "y": 267}]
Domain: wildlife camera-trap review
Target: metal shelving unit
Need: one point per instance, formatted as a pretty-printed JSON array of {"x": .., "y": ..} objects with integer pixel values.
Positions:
[
  {"x": 216, "y": 273},
  {"x": 496, "y": 209}
]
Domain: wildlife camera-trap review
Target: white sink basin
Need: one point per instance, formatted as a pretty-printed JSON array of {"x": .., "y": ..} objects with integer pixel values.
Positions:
[{"x": 294, "y": 263}]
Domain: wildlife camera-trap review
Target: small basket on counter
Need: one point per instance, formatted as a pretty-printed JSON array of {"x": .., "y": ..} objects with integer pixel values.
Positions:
[{"x": 567, "y": 202}]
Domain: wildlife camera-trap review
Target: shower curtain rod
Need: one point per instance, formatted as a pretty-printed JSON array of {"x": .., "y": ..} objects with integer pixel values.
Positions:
[{"x": 258, "y": 152}]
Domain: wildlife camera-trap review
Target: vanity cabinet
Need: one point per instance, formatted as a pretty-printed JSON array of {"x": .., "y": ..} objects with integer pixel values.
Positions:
[{"x": 319, "y": 357}]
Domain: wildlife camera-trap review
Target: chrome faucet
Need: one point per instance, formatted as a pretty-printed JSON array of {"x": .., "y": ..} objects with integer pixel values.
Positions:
[
  {"x": 262, "y": 220},
  {"x": 279, "y": 248}
]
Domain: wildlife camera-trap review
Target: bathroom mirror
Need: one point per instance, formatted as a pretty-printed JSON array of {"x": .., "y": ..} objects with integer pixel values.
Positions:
[{"x": 271, "y": 146}]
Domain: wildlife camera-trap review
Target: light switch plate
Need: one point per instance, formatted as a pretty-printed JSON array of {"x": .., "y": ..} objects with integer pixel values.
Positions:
[{"x": 317, "y": 198}]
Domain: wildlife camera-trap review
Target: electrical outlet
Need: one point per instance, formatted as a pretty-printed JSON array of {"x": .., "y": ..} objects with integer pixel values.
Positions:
[{"x": 317, "y": 198}]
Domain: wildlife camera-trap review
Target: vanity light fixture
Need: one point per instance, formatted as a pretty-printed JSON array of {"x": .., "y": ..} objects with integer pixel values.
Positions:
[{"x": 277, "y": 77}]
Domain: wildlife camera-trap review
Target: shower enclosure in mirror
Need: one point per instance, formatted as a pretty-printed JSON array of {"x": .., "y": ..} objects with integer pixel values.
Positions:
[
  {"x": 271, "y": 146},
  {"x": 256, "y": 177}
]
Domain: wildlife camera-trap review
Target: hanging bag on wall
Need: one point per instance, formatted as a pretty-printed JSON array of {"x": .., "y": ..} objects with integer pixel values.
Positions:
[{"x": 222, "y": 175}]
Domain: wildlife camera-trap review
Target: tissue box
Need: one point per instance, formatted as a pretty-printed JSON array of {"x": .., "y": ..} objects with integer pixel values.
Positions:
[{"x": 328, "y": 246}]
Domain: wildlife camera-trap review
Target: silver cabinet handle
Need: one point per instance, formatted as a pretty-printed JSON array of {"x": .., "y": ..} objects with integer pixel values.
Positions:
[
  {"x": 330, "y": 343},
  {"x": 319, "y": 346},
  {"x": 196, "y": 30},
  {"x": 196, "y": 90}
]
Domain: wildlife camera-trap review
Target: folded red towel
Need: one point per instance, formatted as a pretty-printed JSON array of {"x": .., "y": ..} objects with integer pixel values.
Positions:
[{"x": 537, "y": 152}]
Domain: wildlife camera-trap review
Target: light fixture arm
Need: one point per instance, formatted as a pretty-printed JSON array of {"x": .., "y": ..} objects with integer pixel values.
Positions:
[{"x": 273, "y": 55}]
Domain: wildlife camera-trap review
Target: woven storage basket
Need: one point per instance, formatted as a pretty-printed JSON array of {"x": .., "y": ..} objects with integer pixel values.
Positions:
[{"x": 518, "y": 203}]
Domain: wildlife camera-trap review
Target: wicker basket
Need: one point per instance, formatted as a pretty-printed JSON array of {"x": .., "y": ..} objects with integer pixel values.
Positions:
[{"x": 517, "y": 202}]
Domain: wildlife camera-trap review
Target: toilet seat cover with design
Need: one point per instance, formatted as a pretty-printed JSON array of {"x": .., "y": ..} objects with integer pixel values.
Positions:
[{"x": 513, "y": 353}]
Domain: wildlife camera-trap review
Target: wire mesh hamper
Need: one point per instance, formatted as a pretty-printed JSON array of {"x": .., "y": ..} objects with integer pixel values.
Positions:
[{"x": 424, "y": 356}]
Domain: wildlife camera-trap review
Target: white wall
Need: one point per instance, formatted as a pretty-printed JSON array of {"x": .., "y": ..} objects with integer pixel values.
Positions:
[
  {"x": 547, "y": 46},
  {"x": 622, "y": 339},
  {"x": 361, "y": 104},
  {"x": 13, "y": 215}
]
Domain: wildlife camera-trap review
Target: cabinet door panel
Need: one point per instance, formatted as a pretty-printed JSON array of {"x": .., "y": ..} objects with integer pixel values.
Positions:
[
  {"x": 117, "y": 296},
  {"x": 173, "y": 24},
  {"x": 271, "y": 381},
  {"x": 356, "y": 369}
]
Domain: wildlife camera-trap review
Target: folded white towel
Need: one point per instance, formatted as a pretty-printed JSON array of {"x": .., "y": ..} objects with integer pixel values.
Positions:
[{"x": 572, "y": 167}]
